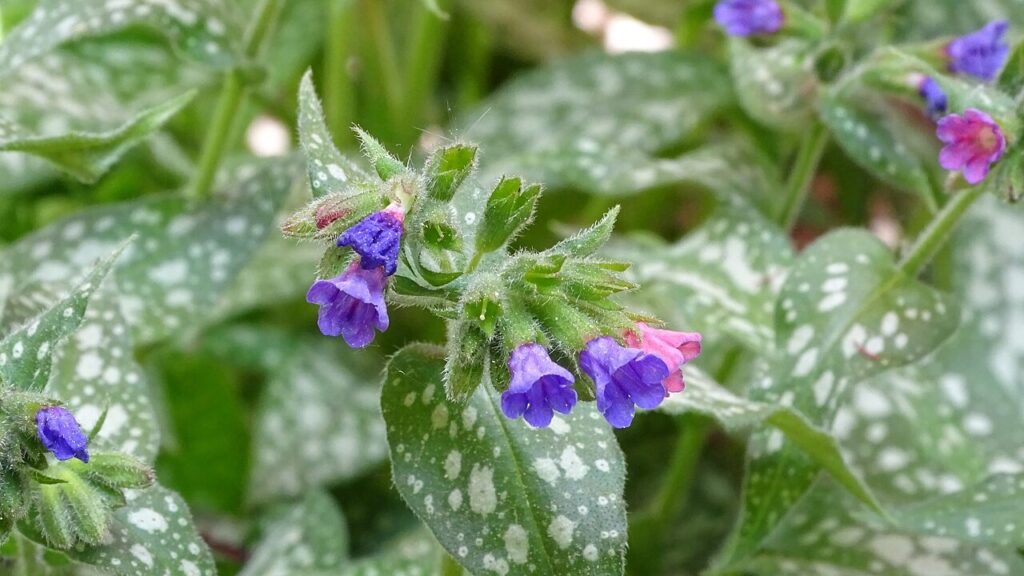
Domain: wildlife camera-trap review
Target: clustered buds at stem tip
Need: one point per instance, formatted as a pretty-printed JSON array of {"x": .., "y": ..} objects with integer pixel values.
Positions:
[
  {"x": 981, "y": 53},
  {"x": 749, "y": 17},
  {"x": 625, "y": 378},
  {"x": 351, "y": 305},
  {"x": 377, "y": 239},
  {"x": 539, "y": 387},
  {"x": 60, "y": 433},
  {"x": 673, "y": 348},
  {"x": 972, "y": 142}
]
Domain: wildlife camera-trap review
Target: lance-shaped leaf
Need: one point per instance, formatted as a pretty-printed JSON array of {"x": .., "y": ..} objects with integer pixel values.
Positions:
[
  {"x": 597, "y": 121},
  {"x": 497, "y": 494},
  {"x": 329, "y": 171},
  {"x": 774, "y": 84},
  {"x": 722, "y": 277},
  {"x": 845, "y": 313},
  {"x": 186, "y": 256},
  {"x": 26, "y": 354},
  {"x": 301, "y": 538},
  {"x": 207, "y": 30}
]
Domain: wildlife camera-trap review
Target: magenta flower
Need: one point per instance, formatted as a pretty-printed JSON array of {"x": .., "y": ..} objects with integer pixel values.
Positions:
[
  {"x": 749, "y": 17},
  {"x": 934, "y": 96},
  {"x": 539, "y": 387},
  {"x": 60, "y": 433},
  {"x": 972, "y": 143},
  {"x": 980, "y": 53},
  {"x": 377, "y": 239},
  {"x": 673, "y": 348},
  {"x": 351, "y": 305},
  {"x": 625, "y": 378}
]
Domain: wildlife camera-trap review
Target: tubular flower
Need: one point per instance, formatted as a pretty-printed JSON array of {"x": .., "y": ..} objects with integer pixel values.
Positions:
[
  {"x": 934, "y": 96},
  {"x": 60, "y": 433},
  {"x": 377, "y": 239},
  {"x": 749, "y": 17},
  {"x": 539, "y": 387},
  {"x": 972, "y": 143},
  {"x": 625, "y": 378},
  {"x": 673, "y": 348},
  {"x": 981, "y": 53},
  {"x": 351, "y": 305}
]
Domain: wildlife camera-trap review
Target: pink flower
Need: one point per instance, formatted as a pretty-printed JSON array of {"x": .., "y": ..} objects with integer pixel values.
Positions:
[
  {"x": 673, "y": 348},
  {"x": 973, "y": 143}
]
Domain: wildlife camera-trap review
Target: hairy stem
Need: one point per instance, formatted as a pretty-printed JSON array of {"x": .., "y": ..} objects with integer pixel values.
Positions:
[
  {"x": 804, "y": 168},
  {"x": 938, "y": 231},
  {"x": 229, "y": 104}
]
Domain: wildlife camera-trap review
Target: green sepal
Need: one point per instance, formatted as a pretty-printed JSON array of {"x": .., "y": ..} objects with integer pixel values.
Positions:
[
  {"x": 568, "y": 325},
  {"x": 509, "y": 209},
  {"x": 13, "y": 487},
  {"x": 447, "y": 168},
  {"x": 115, "y": 470},
  {"x": 437, "y": 231},
  {"x": 482, "y": 302},
  {"x": 465, "y": 360},
  {"x": 328, "y": 216},
  {"x": 587, "y": 242},
  {"x": 334, "y": 261},
  {"x": 592, "y": 282},
  {"x": 543, "y": 271},
  {"x": 73, "y": 512},
  {"x": 440, "y": 267},
  {"x": 383, "y": 162},
  {"x": 518, "y": 326}
]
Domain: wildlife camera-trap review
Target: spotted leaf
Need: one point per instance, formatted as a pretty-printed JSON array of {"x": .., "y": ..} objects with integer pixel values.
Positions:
[
  {"x": 329, "y": 171},
  {"x": 497, "y": 494},
  {"x": 774, "y": 84},
  {"x": 301, "y": 538}
]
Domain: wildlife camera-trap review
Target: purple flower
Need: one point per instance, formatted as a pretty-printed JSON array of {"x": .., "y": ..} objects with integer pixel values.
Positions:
[
  {"x": 624, "y": 377},
  {"x": 538, "y": 387},
  {"x": 981, "y": 53},
  {"x": 749, "y": 17},
  {"x": 352, "y": 304},
  {"x": 973, "y": 142},
  {"x": 60, "y": 433},
  {"x": 377, "y": 239},
  {"x": 934, "y": 96}
]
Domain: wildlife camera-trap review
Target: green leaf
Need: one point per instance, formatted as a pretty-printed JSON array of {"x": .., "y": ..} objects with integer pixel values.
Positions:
[
  {"x": 596, "y": 122},
  {"x": 26, "y": 353},
  {"x": 588, "y": 241},
  {"x": 774, "y": 84},
  {"x": 206, "y": 30},
  {"x": 88, "y": 155},
  {"x": 301, "y": 538},
  {"x": 413, "y": 554},
  {"x": 447, "y": 168},
  {"x": 845, "y": 313},
  {"x": 722, "y": 277},
  {"x": 509, "y": 209},
  {"x": 318, "y": 421},
  {"x": 497, "y": 494},
  {"x": 329, "y": 171},
  {"x": 186, "y": 256},
  {"x": 859, "y": 10}
]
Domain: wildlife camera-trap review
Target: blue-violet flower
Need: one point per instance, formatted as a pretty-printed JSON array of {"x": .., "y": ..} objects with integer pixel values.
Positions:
[
  {"x": 538, "y": 386},
  {"x": 749, "y": 17},
  {"x": 934, "y": 96},
  {"x": 352, "y": 304},
  {"x": 60, "y": 433},
  {"x": 972, "y": 143},
  {"x": 980, "y": 53},
  {"x": 377, "y": 239},
  {"x": 625, "y": 377}
]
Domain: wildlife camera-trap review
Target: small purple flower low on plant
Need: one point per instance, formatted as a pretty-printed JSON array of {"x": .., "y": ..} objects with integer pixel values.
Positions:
[
  {"x": 673, "y": 348},
  {"x": 934, "y": 96},
  {"x": 980, "y": 53},
  {"x": 539, "y": 387},
  {"x": 377, "y": 239},
  {"x": 625, "y": 378},
  {"x": 352, "y": 305},
  {"x": 972, "y": 143},
  {"x": 749, "y": 17},
  {"x": 60, "y": 433}
]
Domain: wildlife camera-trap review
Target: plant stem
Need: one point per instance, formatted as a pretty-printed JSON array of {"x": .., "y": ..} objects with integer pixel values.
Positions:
[
  {"x": 804, "y": 168},
  {"x": 423, "y": 61},
  {"x": 474, "y": 261},
  {"x": 474, "y": 49},
  {"x": 449, "y": 567},
  {"x": 339, "y": 95},
  {"x": 228, "y": 105},
  {"x": 938, "y": 231},
  {"x": 387, "y": 62}
]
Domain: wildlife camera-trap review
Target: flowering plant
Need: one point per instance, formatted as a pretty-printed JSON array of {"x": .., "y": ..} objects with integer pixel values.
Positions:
[{"x": 744, "y": 299}]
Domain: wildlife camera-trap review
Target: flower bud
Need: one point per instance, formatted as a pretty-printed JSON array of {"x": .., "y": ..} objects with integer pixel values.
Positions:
[
  {"x": 60, "y": 433},
  {"x": 447, "y": 168},
  {"x": 508, "y": 210}
]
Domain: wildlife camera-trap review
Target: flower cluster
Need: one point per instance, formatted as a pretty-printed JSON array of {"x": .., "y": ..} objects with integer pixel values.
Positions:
[{"x": 625, "y": 378}]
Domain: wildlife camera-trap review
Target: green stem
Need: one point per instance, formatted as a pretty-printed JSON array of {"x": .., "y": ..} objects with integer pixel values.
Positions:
[
  {"x": 475, "y": 46},
  {"x": 229, "y": 104},
  {"x": 423, "y": 61},
  {"x": 449, "y": 567},
  {"x": 474, "y": 261},
  {"x": 387, "y": 61},
  {"x": 938, "y": 231},
  {"x": 804, "y": 168},
  {"x": 339, "y": 94}
]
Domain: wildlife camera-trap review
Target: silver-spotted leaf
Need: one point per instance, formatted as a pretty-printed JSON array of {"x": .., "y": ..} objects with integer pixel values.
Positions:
[{"x": 301, "y": 538}]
